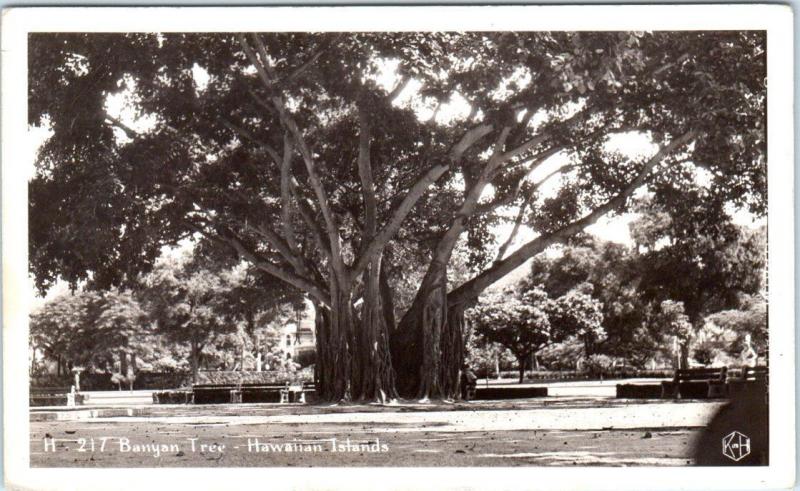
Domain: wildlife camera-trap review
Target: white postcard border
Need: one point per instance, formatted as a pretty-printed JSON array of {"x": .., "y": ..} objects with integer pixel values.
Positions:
[{"x": 776, "y": 19}]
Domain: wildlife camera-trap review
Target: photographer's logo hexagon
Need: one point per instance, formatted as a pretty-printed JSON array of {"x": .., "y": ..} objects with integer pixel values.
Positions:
[{"x": 736, "y": 446}]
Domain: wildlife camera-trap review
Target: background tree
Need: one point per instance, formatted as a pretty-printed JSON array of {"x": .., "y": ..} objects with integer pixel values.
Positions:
[
  {"x": 562, "y": 355},
  {"x": 578, "y": 314},
  {"x": 750, "y": 319},
  {"x": 488, "y": 359},
  {"x": 675, "y": 324},
  {"x": 110, "y": 329},
  {"x": 92, "y": 329},
  {"x": 253, "y": 302},
  {"x": 610, "y": 269},
  {"x": 696, "y": 258},
  {"x": 269, "y": 148},
  {"x": 518, "y": 323},
  {"x": 55, "y": 325},
  {"x": 120, "y": 325},
  {"x": 185, "y": 301}
]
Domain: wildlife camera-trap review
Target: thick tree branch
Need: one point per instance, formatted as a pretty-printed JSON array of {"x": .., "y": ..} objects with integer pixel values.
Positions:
[
  {"x": 468, "y": 139},
  {"x": 129, "y": 132},
  {"x": 297, "y": 72},
  {"x": 528, "y": 145},
  {"x": 365, "y": 174},
  {"x": 472, "y": 288},
  {"x": 287, "y": 248},
  {"x": 267, "y": 76},
  {"x": 414, "y": 194},
  {"x": 307, "y": 214},
  {"x": 419, "y": 188},
  {"x": 259, "y": 65},
  {"x": 523, "y": 125},
  {"x": 299, "y": 282},
  {"x": 261, "y": 102},
  {"x": 286, "y": 194},
  {"x": 277, "y": 242},
  {"x": 444, "y": 247},
  {"x": 474, "y": 193},
  {"x": 512, "y": 196},
  {"x": 399, "y": 88},
  {"x": 501, "y": 252},
  {"x": 229, "y": 239},
  {"x": 280, "y": 245}
]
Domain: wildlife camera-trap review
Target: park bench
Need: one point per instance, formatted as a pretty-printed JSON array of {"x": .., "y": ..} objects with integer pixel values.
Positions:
[
  {"x": 696, "y": 383},
  {"x": 218, "y": 387},
  {"x": 296, "y": 392},
  {"x": 283, "y": 392},
  {"x": 498, "y": 392},
  {"x": 749, "y": 381},
  {"x": 638, "y": 391},
  {"x": 55, "y": 396},
  {"x": 173, "y": 397}
]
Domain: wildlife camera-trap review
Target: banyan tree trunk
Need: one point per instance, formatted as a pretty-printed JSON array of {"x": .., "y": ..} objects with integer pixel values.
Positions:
[
  {"x": 333, "y": 370},
  {"x": 433, "y": 319},
  {"x": 376, "y": 380},
  {"x": 428, "y": 345},
  {"x": 452, "y": 353},
  {"x": 330, "y": 380},
  {"x": 415, "y": 343},
  {"x": 353, "y": 358}
]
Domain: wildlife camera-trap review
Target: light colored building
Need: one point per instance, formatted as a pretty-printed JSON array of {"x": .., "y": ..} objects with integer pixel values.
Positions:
[{"x": 297, "y": 335}]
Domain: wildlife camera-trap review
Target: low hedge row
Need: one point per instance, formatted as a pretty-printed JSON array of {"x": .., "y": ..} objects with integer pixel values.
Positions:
[
  {"x": 102, "y": 381},
  {"x": 576, "y": 375}
]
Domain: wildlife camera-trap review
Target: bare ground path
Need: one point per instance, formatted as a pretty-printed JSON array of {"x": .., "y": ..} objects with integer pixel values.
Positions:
[{"x": 547, "y": 431}]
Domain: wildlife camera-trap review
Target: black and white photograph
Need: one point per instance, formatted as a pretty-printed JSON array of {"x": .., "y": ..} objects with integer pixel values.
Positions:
[{"x": 529, "y": 238}]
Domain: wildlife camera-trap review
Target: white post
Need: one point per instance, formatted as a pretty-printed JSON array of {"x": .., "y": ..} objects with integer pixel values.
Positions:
[
  {"x": 749, "y": 356},
  {"x": 677, "y": 353},
  {"x": 77, "y": 378}
]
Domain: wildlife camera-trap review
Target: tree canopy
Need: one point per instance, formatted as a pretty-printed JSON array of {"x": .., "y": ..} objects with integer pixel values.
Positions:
[
  {"x": 90, "y": 328},
  {"x": 696, "y": 258},
  {"x": 185, "y": 308},
  {"x": 318, "y": 157}
]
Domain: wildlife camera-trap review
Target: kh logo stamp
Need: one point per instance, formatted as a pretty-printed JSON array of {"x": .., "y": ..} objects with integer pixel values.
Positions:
[{"x": 736, "y": 446}]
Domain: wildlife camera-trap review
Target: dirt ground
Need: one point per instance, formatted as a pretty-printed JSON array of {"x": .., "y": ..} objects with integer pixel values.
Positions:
[
  {"x": 307, "y": 445},
  {"x": 574, "y": 431}
]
